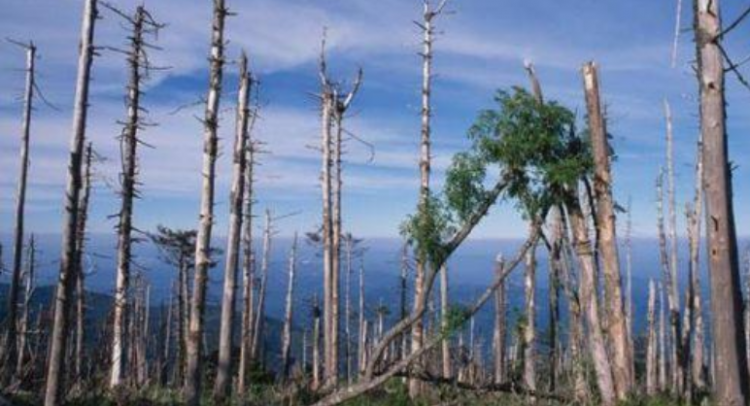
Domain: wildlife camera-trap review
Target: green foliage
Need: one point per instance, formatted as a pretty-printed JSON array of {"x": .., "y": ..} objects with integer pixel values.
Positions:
[
  {"x": 464, "y": 189},
  {"x": 428, "y": 228}
]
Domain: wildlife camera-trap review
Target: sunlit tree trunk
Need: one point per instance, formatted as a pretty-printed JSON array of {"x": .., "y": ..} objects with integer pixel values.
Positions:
[
  {"x": 58, "y": 340},
  {"x": 248, "y": 271},
  {"x": 731, "y": 384},
  {"x": 226, "y": 329},
  {"x": 529, "y": 327},
  {"x": 500, "y": 330},
  {"x": 260, "y": 314},
  {"x": 80, "y": 274},
  {"x": 617, "y": 331},
  {"x": 193, "y": 369},
  {"x": 286, "y": 339},
  {"x": 651, "y": 344}
]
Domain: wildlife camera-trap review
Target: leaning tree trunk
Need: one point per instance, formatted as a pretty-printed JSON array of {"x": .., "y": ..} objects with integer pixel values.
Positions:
[
  {"x": 589, "y": 303},
  {"x": 226, "y": 330},
  {"x": 731, "y": 385},
  {"x": 617, "y": 331},
  {"x": 205, "y": 226},
  {"x": 80, "y": 274},
  {"x": 129, "y": 143},
  {"x": 58, "y": 340},
  {"x": 15, "y": 278},
  {"x": 286, "y": 338}
]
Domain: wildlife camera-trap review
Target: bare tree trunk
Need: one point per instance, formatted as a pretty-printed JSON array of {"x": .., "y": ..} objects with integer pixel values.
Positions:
[
  {"x": 529, "y": 327},
  {"x": 500, "y": 326},
  {"x": 731, "y": 385},
  {"x": 316, "y": 345},
  {"x": 362, "y": 323},
  {"x": 248, "y": 271},
  {"x": 651, "y": 344},
  {"x": 622, "y": 358},
  {"x": 203, "y": 241},
  {"x": 662, "y": 340},
  {"x": 226, "y": 330},
  {"x": 29, "y": 281},
  {"x": 183, "y": 318},
  {"x": 403, "y": 287},
  {"x": 11, "y": 350},
  {"x": 597, "y": 341},
  {"x": 348, "y": 307},
  {"x": 128, "y": 145},
  {"x": 58, "y": 339},
  {"x": 80, "y": 274},
  {"x": 444, "y": 310},
  {"x": 286, "y": 344},
  {"x": 673, "y": 296},
  {"x": 260, "y": 314}
]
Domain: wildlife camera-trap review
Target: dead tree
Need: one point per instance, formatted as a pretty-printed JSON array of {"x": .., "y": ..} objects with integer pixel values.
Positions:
[
  {"x": 11, "y": 350},
  {"x": 362, "y": 336},
  {"x": 203, "y": 242},
  {"x": 694, "y": 216},
  {"x": 731, "y": 384},
  {"x": 500, "y": 326},
  {"x": 673, "y": 296},
  {"x": 286, "y": 339},
  {"x": 622, "y": 358},
  {"x": 80, "y": 273},
  {"x": 444, "y": 323},
  {"x": 66, "y": 283},
  {"x": 403, "y": 287},
  {"x": 420, "y": 295},
  {"x": 226, "y": 334},
  {"x": 260, "y": 314},
  {"x": 651, "y": 343},
  {"x": 142, "y": 25},
  {"x": 316, "y": 313},
  {"x": 662, "y": 339},
  {"x": 29, "y": 283}
]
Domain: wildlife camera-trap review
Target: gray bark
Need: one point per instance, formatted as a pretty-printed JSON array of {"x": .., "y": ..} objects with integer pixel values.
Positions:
[{"x": 286, "y": 339}]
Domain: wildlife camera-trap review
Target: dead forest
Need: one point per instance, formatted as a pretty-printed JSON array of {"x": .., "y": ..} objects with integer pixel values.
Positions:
[{"x": 552, "y": 163}]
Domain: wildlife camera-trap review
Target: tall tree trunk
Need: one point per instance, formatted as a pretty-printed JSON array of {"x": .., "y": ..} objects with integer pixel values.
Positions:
[
  {"x": 589, "y": 303},
  {"x": 662, "y": 340},
  {"x": 128, "y": 143},
  {"x": 327, "y": 106},
  {"x": 203, "y": 241},
  {"x": 403, "y": 288},
  {"x": 362, "y": 323},
  {"x": 58, "y": 339},
  {"x": 622, "y": 358},
  {"x": 226, "y": 330},
  {"x": 260, "y": 313},
  {"x": 694, "y": 232},
  {"x": 11, "y": 351},
  {"x": 80, "y": 274},
  {"x": 286, "y": 340},
  {"x": 731, "y": 385},
  {"x": 348, "y": 306},
  {"x": 673, "y": 296},
  {"x": 316, "y": 345},
  {"x": 248, "y": 270},
  {"x": 651, "y": 344}
]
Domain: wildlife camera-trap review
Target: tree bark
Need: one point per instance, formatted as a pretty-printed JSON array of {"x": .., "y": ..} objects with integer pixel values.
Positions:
[
  {"x": 80, "y": 274},
  {"x": 444, "y": 310},
  {"x": 29, "y": 278},
  {"x": 11, "y": 350},
  {"x": 500, "y": 331},
  {"x": 226, "y": 329},
  {"x": 260, "y": 314},
  {"x": 529, "y": 327},
  {"x": 589, "y": 303},
  {"x": 651, "y": 344},
  {"x": 248, "y": 270},
  {"x": 622, "y": 358},
  {"x": 731, "y": 385},
  {"x": 58, "y": 340},
  {"x": 193, "y": 370}
]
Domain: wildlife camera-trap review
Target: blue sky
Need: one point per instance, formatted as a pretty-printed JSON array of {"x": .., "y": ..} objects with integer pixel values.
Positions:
[{"x": 482, "y": 46}]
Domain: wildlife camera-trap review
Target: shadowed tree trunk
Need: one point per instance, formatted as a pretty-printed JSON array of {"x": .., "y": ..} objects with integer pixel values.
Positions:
[
  {"x": 58, "y": 340},
  {"x": 500, "y": 326},
  {"x": 731, "y": 379},
  {"x": 203, "y": 241},
  {"x": 226, "y": 330},
  {"x": 444, "y": 309},
  {"x": 11, "y": 350},
  {"x": 248, "y": 270},
  {"x": 529, "y": 326},
  {"x": 29, "y": 281},
  {"x": 617, "y": 332},
  {"x": 316, "y": 345},
  {"x": 80, "y": 273}
]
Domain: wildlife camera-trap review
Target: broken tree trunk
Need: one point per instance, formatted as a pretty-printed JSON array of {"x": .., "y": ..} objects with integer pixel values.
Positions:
[
  {"x": 237, "y": 194},
  {"x": 203, "y": 241},
  {"x": 731, "y": 378},
  {"x": 58, "y": 339},
  {"x": 11, "y": 350},
  {"x": 619, "y": 343}
]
